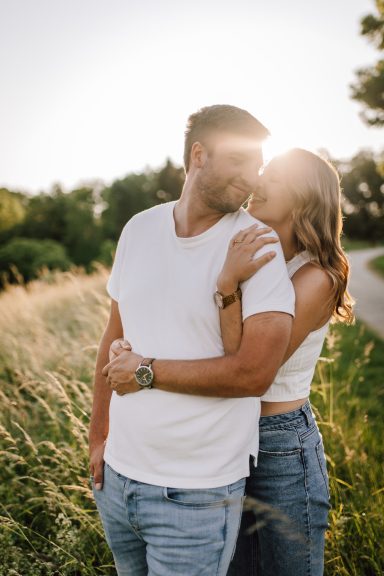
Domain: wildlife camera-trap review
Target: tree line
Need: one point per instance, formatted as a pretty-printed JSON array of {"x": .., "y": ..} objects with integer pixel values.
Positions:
[{"x": 59, "y": 229}]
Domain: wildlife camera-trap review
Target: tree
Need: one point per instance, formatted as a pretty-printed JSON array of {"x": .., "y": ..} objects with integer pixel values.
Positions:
[
  {"x": 26, "y": 257},
  {"x": 170, "y": 182},
  {"x": 12, "y": 210},
  {"x": 125, "y": 198},
  {"x": 363, "y": 191},
  {"x": 369, "y": 86},
  {"x": 82, "y": 235},
  {"x": 45, "y": 216}
]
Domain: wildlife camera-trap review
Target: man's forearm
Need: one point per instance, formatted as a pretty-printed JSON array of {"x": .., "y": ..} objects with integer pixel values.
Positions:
[
  {"x": 248, "y": 372},
  {"x": 218, "y": 377}
]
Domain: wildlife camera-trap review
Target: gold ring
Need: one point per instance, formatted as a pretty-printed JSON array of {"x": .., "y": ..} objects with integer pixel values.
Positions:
[{"x": 238, "y": 241}]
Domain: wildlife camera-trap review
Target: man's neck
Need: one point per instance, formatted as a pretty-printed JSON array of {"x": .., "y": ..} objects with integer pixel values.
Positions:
[{"x": 192, "y": 216}]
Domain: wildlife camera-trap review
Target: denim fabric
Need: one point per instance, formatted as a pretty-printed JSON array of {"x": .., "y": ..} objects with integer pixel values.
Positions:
[
  {"x": 160, "y": 531},
  {"x": 290, "y": 488}
]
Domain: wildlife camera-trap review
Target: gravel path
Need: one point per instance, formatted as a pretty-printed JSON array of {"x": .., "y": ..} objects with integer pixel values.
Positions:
[{"x": 367, "y": 288}]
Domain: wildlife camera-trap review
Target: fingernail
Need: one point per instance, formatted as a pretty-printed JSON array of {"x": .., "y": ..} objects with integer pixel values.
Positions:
[{"x": 98, "y": 486}]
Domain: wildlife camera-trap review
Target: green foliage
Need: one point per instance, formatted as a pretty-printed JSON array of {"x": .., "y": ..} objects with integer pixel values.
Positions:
[
  {"x": 125, "y": 198},
  {"x": 68, "y": 218},
  {"x": 363, "y": 187},
  {"x": 45, "y": 216},
  {"x": 86, "y": 221},
  {"x": 137, "y": 192},
  {"x": 369, "y": 86},
  {"x": 27, "y": 258},
  {"x": 107, "y": 252},
  {"x": 83, "y": 235},
  {"x": 170, "y": 182},
  {"x": 349, "y": 244},
  {"x": 349, "y": 401},
  {"x": 378, "y": 265},
  {"x": 12, "y": 210}
]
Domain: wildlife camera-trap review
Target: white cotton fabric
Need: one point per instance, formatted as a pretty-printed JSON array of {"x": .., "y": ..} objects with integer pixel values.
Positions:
[
  {"x": 164, "y": 286},
  {"x": 293, "y": 380}
]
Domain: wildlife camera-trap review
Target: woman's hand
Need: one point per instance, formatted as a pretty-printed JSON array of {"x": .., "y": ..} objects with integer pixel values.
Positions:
[
  {"x": 117, "y": 347},
  {"x": 239, "y": 264}
]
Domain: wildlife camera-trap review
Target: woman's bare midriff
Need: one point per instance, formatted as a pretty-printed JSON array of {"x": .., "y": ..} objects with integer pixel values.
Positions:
[{"x": 273, "y": 408}]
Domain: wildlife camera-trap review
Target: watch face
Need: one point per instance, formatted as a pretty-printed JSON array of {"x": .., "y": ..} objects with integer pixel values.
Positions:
[
  {"x": 144, "y": 375},
  {"x": 219, "y": 299}
]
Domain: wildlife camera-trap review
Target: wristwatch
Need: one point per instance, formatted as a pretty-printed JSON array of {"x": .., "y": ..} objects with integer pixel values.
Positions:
[
  {"x": 144, "y": 374},
  {"x": 224, "y": 301}
]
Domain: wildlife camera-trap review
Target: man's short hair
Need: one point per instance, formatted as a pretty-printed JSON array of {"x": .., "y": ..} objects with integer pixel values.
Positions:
[{"x": 220, "y": 118}]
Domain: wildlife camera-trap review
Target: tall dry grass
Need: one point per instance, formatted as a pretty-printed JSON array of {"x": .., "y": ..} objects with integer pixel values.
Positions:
[
  {"x": 48, "y": 521},
  {"x": 50, "y": 333}
]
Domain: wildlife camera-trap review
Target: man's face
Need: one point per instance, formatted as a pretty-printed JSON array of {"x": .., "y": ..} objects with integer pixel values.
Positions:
[{"x": 230, "y": 172}]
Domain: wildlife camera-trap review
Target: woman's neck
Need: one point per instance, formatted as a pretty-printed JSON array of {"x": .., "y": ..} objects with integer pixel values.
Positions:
[{"x": 287, "y": 240}]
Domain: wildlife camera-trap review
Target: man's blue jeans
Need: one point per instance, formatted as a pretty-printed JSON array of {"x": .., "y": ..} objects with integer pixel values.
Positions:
[{"x": 160, "y": 531}]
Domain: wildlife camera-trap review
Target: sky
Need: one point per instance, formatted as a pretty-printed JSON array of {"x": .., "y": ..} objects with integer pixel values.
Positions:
[{"x": 95, "y": 89}]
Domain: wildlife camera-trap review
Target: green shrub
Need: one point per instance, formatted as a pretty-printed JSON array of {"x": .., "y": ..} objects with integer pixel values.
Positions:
[{"x": 24, "y": 258}]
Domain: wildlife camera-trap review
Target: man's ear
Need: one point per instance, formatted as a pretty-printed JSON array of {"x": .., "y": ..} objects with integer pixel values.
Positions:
[{"x": 198, "y": 155}]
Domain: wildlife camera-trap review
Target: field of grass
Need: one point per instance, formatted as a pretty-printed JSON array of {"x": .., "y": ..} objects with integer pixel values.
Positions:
[
  {"x": 349, "y": 244},
  {"x": 377, "y": 264},
  {"x": 48, "y": 521}
]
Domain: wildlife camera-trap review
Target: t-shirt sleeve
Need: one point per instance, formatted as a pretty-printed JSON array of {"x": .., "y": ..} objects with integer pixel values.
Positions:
[
  {"x": 270, "y": 289},
  {"x": 113, "y": 284}
]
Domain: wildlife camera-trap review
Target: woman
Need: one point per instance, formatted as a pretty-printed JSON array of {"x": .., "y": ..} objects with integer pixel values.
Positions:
[{"x": 300, "y": 198}]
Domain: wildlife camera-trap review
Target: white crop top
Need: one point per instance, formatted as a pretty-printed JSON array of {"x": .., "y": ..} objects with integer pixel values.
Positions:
[{"x": 293, "y": 380}]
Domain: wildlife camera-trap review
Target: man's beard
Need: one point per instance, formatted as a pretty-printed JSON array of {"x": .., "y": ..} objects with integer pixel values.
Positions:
[{"x": 220, "y": 196}]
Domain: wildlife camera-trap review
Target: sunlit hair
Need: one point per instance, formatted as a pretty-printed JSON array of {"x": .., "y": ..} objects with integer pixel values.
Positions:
[
  {"x": 317, "y": 219},
  {"x": 220, "y": 118}
]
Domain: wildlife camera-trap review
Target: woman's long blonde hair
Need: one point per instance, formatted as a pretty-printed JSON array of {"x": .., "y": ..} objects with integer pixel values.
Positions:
[{"x": 317, "y": 220}]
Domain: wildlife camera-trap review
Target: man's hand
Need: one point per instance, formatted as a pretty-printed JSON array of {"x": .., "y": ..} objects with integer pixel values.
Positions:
[
  {"x": 120, "y": 372},
  {"x": 96, "y": 464}
]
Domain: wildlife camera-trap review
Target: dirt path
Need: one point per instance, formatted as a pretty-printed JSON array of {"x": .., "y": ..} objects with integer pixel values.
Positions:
[{"x": 367, "y": 288}]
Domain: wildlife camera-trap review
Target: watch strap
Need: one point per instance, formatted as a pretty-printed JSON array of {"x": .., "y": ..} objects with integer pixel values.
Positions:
[
  {"x": 231, "y": 298},
  {"x": 147, "y": 362}
]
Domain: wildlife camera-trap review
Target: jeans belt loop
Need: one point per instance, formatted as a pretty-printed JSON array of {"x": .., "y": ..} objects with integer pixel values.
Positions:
[{"x": 306, "y": 411}]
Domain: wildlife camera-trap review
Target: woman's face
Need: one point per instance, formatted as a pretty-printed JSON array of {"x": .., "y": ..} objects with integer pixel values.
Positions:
[{"x": 272, "y": 203}]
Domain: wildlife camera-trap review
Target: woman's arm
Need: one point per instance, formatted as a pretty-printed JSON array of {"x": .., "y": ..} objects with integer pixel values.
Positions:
[
  {"x": 313, "y": 289},
  {"x": 240, "y": 265},
  {"x": 314, "y": 304}
]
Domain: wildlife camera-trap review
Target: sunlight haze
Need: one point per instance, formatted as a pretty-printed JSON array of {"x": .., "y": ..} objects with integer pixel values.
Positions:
[{"x": 96, "y": 89}]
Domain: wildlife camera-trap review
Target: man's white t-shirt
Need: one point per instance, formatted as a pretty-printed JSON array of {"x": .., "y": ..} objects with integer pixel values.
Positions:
[{"x": 164, "y": 286}]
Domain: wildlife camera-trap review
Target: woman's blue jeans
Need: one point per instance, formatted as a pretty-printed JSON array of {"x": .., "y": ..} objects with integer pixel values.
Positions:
[{"x": 284, "y": 534}]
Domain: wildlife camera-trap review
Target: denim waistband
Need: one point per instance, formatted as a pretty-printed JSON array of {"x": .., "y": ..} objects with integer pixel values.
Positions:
[{"x": 305, "y": 413}]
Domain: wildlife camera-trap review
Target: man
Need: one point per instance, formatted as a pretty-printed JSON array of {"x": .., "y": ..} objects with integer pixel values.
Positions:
[{"x": 170, "y": 497}]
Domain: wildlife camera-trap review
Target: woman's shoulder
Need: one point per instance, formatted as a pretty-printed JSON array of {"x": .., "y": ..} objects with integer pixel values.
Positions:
[
  {"x": 314, "y": 287},
  {"x": 314, "y": 293},
  {"x": 312, "y": 272}
]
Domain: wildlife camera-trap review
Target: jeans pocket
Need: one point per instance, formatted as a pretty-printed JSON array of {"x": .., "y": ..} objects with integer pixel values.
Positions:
[
  {"x": 280, "y": 454},
  {"x": 322, "y": 464},
  {"x": 198, "y": 498}
]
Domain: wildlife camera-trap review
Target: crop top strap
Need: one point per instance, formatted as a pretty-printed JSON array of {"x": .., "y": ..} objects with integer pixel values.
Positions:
[{"x": 298, "y": 261}]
